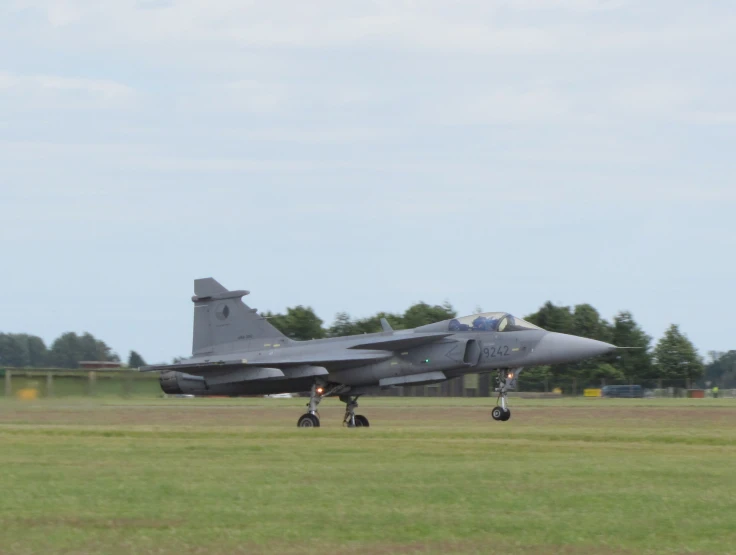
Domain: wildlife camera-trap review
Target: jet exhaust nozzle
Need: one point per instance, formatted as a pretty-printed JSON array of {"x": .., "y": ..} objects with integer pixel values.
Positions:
[{"x": 179, "y": 383}]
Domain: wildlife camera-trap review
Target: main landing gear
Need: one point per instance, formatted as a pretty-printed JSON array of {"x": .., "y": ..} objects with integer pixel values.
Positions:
[
  {"x": 351, "y": 420},
  {"x": 501, "y": 412}
]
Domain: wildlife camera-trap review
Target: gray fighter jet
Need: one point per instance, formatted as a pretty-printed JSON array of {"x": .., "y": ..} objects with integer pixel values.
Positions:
[{"x": 237, "y": 352}]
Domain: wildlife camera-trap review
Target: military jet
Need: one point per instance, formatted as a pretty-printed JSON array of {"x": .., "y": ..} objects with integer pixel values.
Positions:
[{"x": 235, "y": 351}]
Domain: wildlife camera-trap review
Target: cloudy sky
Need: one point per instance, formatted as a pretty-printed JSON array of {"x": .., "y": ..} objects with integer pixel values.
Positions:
[{"x": 361, "y": 156}]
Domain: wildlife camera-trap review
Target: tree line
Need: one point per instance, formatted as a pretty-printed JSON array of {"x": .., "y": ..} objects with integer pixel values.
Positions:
[
  {"x": 673, "y": 358},
  {"x": 21, "y": 350}
]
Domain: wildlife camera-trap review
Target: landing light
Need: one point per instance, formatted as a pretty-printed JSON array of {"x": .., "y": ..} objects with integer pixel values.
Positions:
[
  {"x": 320, "y": 390},
  {"x": 510, "y": 375}
]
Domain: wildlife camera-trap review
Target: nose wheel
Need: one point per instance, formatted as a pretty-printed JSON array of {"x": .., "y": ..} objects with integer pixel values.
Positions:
[
  {"x": 506, "y": 380},
  {"x": 500, "y": 414}
]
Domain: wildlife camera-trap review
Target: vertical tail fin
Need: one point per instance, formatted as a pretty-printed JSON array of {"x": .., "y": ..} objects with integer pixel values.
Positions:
[{"x": 223, "y": 322}]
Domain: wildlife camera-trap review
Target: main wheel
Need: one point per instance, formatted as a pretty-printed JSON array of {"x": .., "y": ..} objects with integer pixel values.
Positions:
[
  {"x": 497, "y": 413},
  {"x": 506, "y": 415},
  {"x": 361, "y": 421},
  {"x": 308, "y": 421}
]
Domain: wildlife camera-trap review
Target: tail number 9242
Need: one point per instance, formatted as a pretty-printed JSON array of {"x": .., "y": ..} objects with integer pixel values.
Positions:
[{"x": 493, "y": 352}]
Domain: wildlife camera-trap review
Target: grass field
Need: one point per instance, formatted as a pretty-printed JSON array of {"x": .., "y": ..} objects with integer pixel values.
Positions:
[{"x": 430, "y": 476}]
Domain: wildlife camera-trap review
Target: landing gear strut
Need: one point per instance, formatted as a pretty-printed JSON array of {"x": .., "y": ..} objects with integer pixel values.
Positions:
[
  {"x": 506, "y": 379},
  {"x": 351, "y": 419},
  {"x": 311, "y": 418}
]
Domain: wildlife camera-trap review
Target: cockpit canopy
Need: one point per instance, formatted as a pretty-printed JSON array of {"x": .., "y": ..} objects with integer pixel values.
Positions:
[{"x": 490, "y": 321}]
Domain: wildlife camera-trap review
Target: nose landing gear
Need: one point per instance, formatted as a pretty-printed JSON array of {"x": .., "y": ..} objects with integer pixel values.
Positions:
[{"x": 506, "y": 380}]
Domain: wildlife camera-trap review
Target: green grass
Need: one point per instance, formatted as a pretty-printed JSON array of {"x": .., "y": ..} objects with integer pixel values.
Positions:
[
  {"x": 76, "y": 384},
  {"x": 431, "y": 476}
]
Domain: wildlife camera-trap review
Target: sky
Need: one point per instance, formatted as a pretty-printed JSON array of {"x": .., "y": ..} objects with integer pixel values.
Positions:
[{"x": 363, "y": 156}]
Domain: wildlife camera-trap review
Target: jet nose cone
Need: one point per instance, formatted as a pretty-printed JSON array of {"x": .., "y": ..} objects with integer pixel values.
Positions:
[{"x": 556, "y": 348}]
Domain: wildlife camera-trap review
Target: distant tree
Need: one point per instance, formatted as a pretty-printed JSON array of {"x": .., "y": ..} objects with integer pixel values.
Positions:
[
  {"x": 24, "y": 349},
  {"x": 135, "y": 360},
  {"x": 68, "y": 349},
  {"x": 536, "y": 378},
  {"x": 605, "y": 372},
  {"x": 587, "y": 322},
  {"x": 421, "y": 314},
  {"x": 298, "y": 323},
  {"x": 676, "y": 357},
  {"x": 302, "y": 323},
  {"x": 96, "y": 349},
  {"x": 553, "y": 318},
  {"x": 635, "y": 364},
  {"x": 397, "y": 321},
  {"x": 372, "y": 324},
  {"x": 37, "y": 352},
  {"x": 12, "y": 351},
  {"x": 343, "y": 325},
  {"x": 721, "y": 370}
]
